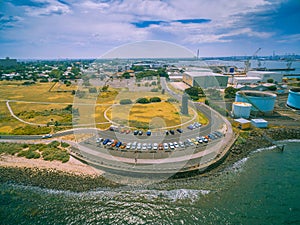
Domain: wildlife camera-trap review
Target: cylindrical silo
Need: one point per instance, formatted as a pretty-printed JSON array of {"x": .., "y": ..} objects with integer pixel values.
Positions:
[
  {"x": 293, "y": 100},
  {"x": 241, "y": 109},
  {"x": 262, "y": 102}
]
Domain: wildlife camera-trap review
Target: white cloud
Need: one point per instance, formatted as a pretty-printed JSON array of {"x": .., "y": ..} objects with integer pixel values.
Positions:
[{"x": 52, "y": 7}]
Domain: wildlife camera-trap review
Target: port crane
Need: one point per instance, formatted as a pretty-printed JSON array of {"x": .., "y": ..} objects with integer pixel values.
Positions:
[{"x": 248, "y": 63}]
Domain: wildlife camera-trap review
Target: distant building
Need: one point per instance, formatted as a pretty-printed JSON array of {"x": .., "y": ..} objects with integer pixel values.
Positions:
[
  {"x": 206, "y": 79},
  {"x": 259, "y": 123},
  {"x": 7, "y": 62},
  {"x": 265, "y": 75},
  {"x": 242, "y": 123}
]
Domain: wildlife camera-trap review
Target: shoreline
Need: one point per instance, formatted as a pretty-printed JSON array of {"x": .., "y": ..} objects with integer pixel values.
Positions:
[{"x": 77, "y": 176}]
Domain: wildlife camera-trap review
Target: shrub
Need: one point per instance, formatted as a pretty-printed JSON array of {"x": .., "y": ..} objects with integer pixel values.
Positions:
[
  {"x": 272, "y": 88},
  {"x": 125, "y": 101},
  {"x": 143, "y": 101},
  {"x": 172, "y": 100},
  {"x": 50, "y": 154},
  {"x": 155, "y": 99},
  {"x": 154, "y": 90},
  {"x": 54, "y": 144},
  {"x": 195, "y": 98},
  {"x": 64, "y": 144},
  {"x": 29, "y": 154}
]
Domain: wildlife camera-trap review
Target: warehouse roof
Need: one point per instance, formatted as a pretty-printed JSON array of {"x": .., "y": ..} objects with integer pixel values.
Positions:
[{"x": 203, "y": 74}]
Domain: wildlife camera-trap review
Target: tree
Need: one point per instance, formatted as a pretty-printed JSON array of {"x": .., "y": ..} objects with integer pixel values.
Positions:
[
  {"x": 230, "y": 92},
  {"x": 155, "y": 99},
  {"x": 125, "y": 101},
  {"x": 126, "y": 75},
  {"x": 105, "y": 88},
  {"x": 270, "y": 80},
  {"x": 143, "y": 101},
  {"x": 194, "y": 91},
  {"x": 272, "y": 88}
]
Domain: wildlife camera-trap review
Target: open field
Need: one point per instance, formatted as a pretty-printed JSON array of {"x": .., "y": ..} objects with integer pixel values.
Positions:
[
  {"x": 43, "y": 107},
  {"x": 153, "y": 115},
  {"x": 38, "y": 92}
]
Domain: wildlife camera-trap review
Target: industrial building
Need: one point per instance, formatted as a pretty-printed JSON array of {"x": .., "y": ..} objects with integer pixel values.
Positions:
[
  {"x": 259, "y": 123},
  {"x": 265, "y": 75},
  {"x": 262, "y": 102},
  {"x": 242, "y": 123},
  {"x": 293, "y": 100},
  {"x": 205, "y": 79},
  {"x": 241, "y": 109}
]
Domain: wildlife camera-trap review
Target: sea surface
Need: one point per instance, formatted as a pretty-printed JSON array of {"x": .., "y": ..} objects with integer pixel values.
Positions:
[{"x": 263, "y": 188}]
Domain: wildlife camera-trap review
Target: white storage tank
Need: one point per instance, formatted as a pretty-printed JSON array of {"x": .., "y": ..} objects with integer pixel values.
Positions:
[
  {"x": 293, "y": 100},
  {"x": 241, "y": 109},
  {"x": 262, "y": 102}
]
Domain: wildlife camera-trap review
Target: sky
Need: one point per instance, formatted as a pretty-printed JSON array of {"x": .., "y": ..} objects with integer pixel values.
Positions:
[{"x": 91, "y": 28}]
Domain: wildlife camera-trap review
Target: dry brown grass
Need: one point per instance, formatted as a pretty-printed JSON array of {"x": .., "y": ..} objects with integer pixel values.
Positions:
[{"x": 165, "y": 113}]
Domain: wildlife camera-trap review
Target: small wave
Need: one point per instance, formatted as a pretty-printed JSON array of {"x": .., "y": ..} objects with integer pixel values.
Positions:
[
  {"x": 237, "y": 166},
  {"x": 263, "y": 149},
  {"x": 181, "y": 194}
]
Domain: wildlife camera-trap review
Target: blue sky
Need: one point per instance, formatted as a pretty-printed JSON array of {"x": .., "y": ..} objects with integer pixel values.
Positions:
[{"x": 90, "y": 28}]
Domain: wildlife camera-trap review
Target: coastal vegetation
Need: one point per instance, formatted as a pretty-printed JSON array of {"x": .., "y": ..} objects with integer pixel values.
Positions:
[{"x": 49, "y": 152}]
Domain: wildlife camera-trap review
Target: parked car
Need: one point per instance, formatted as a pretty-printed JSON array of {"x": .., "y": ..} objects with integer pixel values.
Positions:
[
  {"x": 114, "y": 143},
  {"x": 133, "y": 146},
  {"x": 190, "y": 127},
  {"x": 179, "y": 130},
  {"x": 176, "y": 144},
  {"x": 128, "y": 131},
  {"x": 128, "y": 146},
  {"x": 140, "y": 132},
  {"x": 167, "y": 132},
  {"x": 172, "y": 132},
  {"x": 181, "y": 144},
  {"x": 139, "y": 146},
  {"x": 166, "y": 147},
  {"x": 135, "y": 132},
  {"x": 148, "y": 133},
  {"x": 144, "y": 147},
  {"x": 118, "y": 144},
  {"x": 171, "y": 146},
  {"x": 160, "y": 147},
  {"x": 106, "y": 141},
  {"x": 123, "y": 146},
  {"x": 155, "y": 146},
  {"x": 149, "y": 146}
]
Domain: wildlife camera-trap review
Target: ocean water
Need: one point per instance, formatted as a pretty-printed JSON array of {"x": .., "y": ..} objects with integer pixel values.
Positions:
[{"x": 263, "y": 188}]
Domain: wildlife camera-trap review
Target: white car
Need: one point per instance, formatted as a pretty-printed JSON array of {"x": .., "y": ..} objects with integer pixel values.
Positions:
[
  {"x": 139, "y": 146},
  {"x": 144, "y": 146},
  {"x": 181, "y": 144},
  {"x": 155, "y": 146},
  {"x": 149, "y": 146},
  {"x": 47, "y": 136},
  {"x": 166, "y": 147},
  {"x": 171, "y": 146},
  {"x": 128, "y": 146},
  {"x": 176, "y": 144}
]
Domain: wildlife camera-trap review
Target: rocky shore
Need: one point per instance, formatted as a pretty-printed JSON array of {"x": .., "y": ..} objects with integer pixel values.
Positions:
[{"x": 56, "y": 179}]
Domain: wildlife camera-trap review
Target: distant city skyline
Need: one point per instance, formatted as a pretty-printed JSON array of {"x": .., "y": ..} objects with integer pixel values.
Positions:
[{"x": 43, "y": 29}]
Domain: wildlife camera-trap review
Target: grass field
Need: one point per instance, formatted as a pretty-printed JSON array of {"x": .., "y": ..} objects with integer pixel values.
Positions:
[
  {"x": 153, "y": 115},
  {"x": 48, "y": 108}
]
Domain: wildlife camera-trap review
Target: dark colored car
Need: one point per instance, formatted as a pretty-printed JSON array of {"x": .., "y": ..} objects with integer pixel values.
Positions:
[
  {"x": 172, "y": 132},
  {"x": 140, "y": 132},
  {"x": 135, "y": 132},
  {"x": 105, "y": 141},
  {"x": 179, "y": 130},
  {"x": 148, "y": 133},
  {"x": 118, "y": 144},
  {"x": 167, "y": 132}
]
